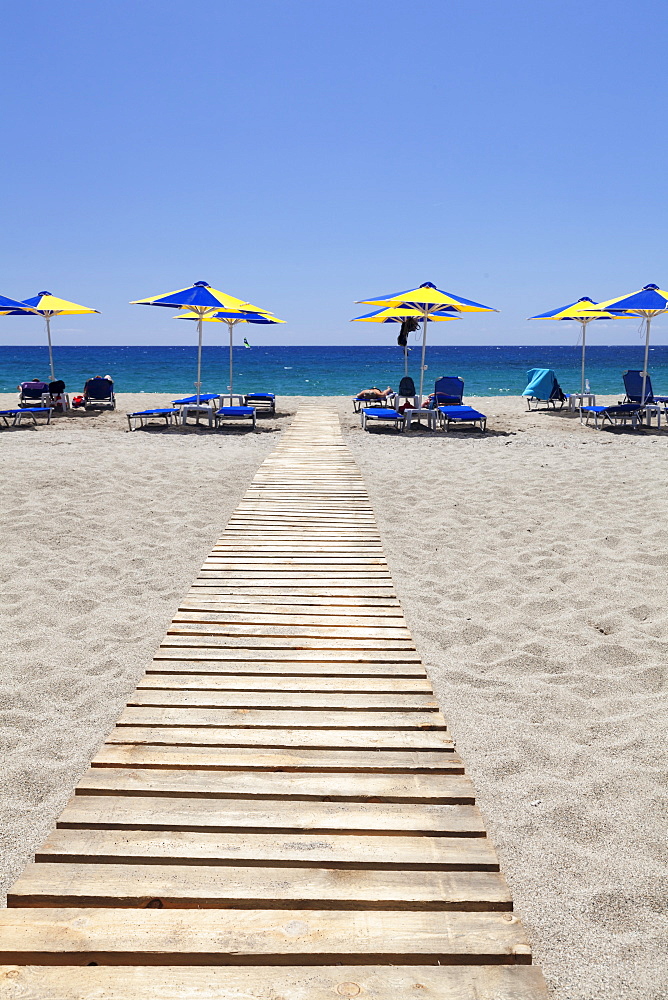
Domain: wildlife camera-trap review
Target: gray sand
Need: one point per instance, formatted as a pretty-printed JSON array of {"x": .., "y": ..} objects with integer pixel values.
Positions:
[{"x": 531, "y": 563}]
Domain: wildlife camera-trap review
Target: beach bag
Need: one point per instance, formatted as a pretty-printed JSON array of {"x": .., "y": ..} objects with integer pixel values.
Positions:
[{"x": 77, "y": 402}]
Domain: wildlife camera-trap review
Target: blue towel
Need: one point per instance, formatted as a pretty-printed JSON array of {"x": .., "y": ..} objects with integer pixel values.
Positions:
[{"x": 541, "y": 383}]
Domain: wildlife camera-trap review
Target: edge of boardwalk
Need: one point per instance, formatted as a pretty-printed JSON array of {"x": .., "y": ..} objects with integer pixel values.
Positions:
[{"x": 280, "y": 795}]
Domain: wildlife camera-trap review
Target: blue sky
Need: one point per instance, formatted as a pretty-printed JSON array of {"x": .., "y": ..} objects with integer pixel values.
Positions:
[{"x": 304, "y": 154}]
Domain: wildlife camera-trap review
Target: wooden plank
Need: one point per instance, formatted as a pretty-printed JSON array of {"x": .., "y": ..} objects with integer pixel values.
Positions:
[
  {"x": 275, "y": 588},
  {"x": 241, "y": 606},
  {"x": 145, "y": 812},
  {"x": 259, "y": 849},
  {"x": 187, "y": 886},
  {"x": 259, "y": 759},
  {"x": 244, "y": 718},
  {"x": 279, "y": 700},
  {"x": 209, "y": 637},
  {"x": 288, "y": 739},
  {"x": 267, "y": 655},
  {"x": 172, "y": 661},
  {"x": 197, "y": 624},
  {"x": 274, "y": 682},
  {"x": 373, "y": 982},
  {"x": 233, "y": 937},
  {"x": 436, "y": 789}
]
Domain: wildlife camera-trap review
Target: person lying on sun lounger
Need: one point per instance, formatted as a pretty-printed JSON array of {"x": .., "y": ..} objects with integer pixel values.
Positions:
[{"x": 375, "y": 393}]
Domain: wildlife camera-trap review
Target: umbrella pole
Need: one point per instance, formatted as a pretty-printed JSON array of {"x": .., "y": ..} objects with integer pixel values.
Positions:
[
  {"x": 424, "y": 349},
  {"x": 405, "y": 360},
  {"x": 231, "y": 327},
  {"x": 199, "y": 358},
  {"x": 584, "y": 348},
  {"x": 648, "y": 320},
  {"x": 48, "y": 337}
]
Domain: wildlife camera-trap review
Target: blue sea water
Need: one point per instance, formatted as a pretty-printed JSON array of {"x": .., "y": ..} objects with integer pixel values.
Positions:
[{"x": 327, "y": 371}]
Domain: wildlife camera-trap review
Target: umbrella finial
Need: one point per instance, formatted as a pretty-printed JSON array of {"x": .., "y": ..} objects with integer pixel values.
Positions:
[
  {"x": 585, "y": 298},
  {"x": 48, "y": 293},
  {"x": 428, "y": 284},
  {"x": 651, "y": 288},
  {"x": 201, "y": 284}
]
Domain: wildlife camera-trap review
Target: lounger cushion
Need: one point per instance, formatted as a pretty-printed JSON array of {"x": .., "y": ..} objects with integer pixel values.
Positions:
[
  {"x": 151, "y": 413},
  {"x": 235, "y": 411},
  {"x": 383, "y": 413},
  {"x": 204, "y": 398},
  {"x": 466, "y": 413}
]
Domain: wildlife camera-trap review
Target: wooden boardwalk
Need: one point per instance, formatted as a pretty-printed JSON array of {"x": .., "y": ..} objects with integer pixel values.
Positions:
[{"x": 279, "y": 813}]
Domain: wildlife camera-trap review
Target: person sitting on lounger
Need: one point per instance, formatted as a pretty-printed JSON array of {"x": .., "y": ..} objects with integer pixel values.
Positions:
[{"x": 375, "y": 393}]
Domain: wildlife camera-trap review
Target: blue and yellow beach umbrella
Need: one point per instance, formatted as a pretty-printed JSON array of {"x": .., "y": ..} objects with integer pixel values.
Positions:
[
  {"x": 47, "y": 305},
  {"x": 231, "y": 317},
  {"x": 429, "y": 300},
  {"x": 398, "y": 315},
  {"x": 580, "y": 312},
  {"x": 203, "y": 301},
  {"x": 646, "y": 303}
]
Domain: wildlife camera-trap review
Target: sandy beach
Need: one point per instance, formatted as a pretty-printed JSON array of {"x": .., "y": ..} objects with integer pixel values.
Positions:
[{"x": 531, "y": 563}]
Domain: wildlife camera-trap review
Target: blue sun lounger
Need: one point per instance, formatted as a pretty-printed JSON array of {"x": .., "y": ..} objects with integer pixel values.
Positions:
[
  {"x": 99, "y": 392},
  {"x": 204, "y": 398},
  {"x": 261, "y": 401},
  {"x": 17, "y": 415},
  {"x": 613, "y": 413},
  {"x": 461, "y": 415},
  {"x": 235, "y": 413},
  {"x": 633, "y": 387},
  {"x": 448, "y": 391},
  {"x": 377, "y": 401},
  {"x": 143, "y": 417},
  {"x": 383, "y": 413},
  {"x": 543, "y": 388}
]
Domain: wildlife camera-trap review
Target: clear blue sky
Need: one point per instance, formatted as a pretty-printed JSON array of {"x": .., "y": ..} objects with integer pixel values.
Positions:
[{"x": 304, "y": 154}]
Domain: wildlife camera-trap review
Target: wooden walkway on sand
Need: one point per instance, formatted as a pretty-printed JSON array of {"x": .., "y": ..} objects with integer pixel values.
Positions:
[{"x": 279, "y": 813}]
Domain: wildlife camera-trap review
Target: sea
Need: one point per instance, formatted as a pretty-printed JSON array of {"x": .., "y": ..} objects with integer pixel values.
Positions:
[{"x": 328, "y": 371}]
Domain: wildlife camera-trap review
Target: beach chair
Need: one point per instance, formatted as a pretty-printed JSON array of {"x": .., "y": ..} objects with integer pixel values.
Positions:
[
  {"x": 17, "y": 415},
  {"x": 261, "y": 401},
  {"x": 383, "y": 413},
  {"x": 543, "y": 388},
  {"x": 407, "y": 392},
  {"x": 448, "y": 391},
  {"x": 235, "y": 413},
  {"x": 621, "y": 412},
  {"x": 633, "y": 388},
  {"x": 461, "y": 415},
  {"x": 32, "y": 392},
  {"x": 98, "y": 393},
  {"x": 143, "y": 417},
  {"x": 359, "y": 401},
  {"x": 59, "y": 399}
]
